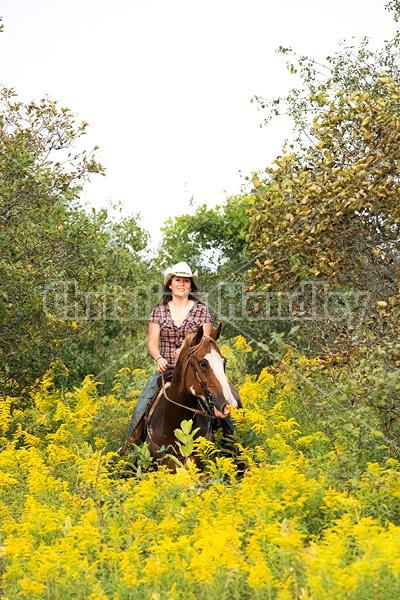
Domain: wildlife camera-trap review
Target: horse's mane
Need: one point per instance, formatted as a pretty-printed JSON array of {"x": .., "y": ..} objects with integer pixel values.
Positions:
[
  {"x": 188, "y": 339},
  {"x": 187, "y": 342}
]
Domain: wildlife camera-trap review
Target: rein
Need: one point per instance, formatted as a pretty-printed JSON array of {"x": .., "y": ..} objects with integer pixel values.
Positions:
[
  {"x": 198, "y": 412},
  {"x": 205, "y": 412}
]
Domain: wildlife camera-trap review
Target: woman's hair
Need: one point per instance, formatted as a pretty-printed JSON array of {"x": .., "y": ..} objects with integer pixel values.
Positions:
[{"x": 167, "y": 294}]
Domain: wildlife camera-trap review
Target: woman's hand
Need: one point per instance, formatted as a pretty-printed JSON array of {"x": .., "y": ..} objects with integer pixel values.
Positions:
[{"x": 162, "y": 364}]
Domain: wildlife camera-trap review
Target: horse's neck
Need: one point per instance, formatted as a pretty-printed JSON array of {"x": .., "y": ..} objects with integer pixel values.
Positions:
[{"x": 177, "y": 389}]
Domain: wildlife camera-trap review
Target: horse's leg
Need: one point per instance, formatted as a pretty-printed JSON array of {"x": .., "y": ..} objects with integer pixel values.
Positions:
[
  {"x": 139, "y": 411},
  {"x": 160, "y": 427},
  {"x": 205, "y": 424},
  {"x": 227, "y": 425}
]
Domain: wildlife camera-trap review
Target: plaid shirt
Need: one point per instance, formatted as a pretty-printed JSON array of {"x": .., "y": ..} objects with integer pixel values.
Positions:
[{"x": 172, "y": 336}]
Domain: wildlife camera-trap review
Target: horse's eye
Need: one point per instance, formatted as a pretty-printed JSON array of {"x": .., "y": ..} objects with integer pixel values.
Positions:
[{"x": 203, "y": 364}]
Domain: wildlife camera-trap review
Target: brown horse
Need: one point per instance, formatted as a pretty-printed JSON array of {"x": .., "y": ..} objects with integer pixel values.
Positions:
[{"x": 198, "y": 390}]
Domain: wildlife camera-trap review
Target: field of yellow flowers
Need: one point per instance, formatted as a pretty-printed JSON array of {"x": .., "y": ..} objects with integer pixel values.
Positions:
[{"x": 310, "y": 514}]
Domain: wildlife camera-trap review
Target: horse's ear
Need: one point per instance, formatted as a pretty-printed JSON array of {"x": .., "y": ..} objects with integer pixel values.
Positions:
[
  {"x": 216, "y": 332},
  {"x": 197, "y": 338}
]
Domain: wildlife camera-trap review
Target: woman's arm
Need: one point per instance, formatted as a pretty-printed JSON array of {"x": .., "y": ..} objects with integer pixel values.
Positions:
[
  {"x": 207, "y": 328},
  {"x": 153, "y": 346},
  {"x": 207, "y": 325}
]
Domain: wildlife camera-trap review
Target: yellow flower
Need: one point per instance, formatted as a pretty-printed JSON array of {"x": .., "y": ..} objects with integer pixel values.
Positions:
[
  {"x": 153, "y": 568},
  {"x": 30, "y": 588},
  {"x": 7, "y": 480},
  {"x": 6, "y": 417},
  {"x": 98, "y": 593},
  {"x": 226, "y": 351},
  {"x": 260, "y": 576},
  {"x": 241, "y": 344}
]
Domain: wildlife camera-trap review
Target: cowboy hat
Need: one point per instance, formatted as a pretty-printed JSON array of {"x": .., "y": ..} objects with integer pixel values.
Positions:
[{"x": 181, "y": 269}]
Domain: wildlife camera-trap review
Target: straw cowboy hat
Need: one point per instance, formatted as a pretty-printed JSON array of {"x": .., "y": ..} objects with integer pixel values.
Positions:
[{"x": 181, "y": 269}]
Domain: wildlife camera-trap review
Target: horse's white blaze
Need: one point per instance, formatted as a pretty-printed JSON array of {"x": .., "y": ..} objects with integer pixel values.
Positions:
[
  {"x": 216, "y": 363},
  {"x": 191, "y": 389}
]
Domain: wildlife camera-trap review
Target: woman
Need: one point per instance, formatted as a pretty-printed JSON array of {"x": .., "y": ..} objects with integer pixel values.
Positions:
[{"x": 178, "y": 313}]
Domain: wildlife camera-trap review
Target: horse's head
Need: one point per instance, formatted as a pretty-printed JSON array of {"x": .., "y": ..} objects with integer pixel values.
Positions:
[{"x": 205, "y": 371}]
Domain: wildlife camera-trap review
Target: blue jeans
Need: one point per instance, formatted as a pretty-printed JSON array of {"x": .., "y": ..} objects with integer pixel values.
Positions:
[{"x": 144, "y": 400}]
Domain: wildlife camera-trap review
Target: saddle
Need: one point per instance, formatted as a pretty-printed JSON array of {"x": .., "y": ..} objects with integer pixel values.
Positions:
[
  {"x": 139, "y": 433},
  {"x": 165, "y": 377}
]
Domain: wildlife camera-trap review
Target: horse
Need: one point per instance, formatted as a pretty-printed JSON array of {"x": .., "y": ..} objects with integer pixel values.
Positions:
[{"x": 198, "y": 390}]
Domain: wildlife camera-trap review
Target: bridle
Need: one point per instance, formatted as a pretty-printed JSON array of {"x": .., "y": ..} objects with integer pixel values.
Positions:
[{"x": 206, "y": 404}]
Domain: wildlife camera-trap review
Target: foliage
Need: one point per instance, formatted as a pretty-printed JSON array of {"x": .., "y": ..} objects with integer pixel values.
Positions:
[
  {"x": 324, "y": 220},
  {"x": 236, "y": 352},
  {"x": 78, "y": 521},
  {"x": 208, "y": 238},
  {"x": 333, "y": 214},
  {"x": 35, "y": 192},
  {"x": 113, "y": 321},
  {"x": 55, "y": 257},
  {"x": 185, "y": 438}
]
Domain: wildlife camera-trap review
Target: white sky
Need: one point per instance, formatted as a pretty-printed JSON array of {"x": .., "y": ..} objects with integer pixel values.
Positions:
[{"x": 166, "y": 84}]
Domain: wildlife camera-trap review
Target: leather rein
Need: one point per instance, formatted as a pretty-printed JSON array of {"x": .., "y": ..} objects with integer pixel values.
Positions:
[{"x": 208, "y": 407}]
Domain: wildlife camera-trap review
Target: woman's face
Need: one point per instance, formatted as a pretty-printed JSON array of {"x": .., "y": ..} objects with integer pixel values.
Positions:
[{"x": 180, "y": 286}]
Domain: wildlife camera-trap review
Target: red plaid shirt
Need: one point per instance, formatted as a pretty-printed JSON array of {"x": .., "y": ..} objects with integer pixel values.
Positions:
[{"x": 172, "y": 336}]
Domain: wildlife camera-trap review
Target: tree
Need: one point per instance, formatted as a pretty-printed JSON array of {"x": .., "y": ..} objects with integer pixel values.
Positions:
[
  {"x": 209, "y": 238},
  {"x": 328, "y": 210},
  {"x": 48, "y": 242},
  {"x": 113, "y": 321},
  {"x": 327, "y": 213}
]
